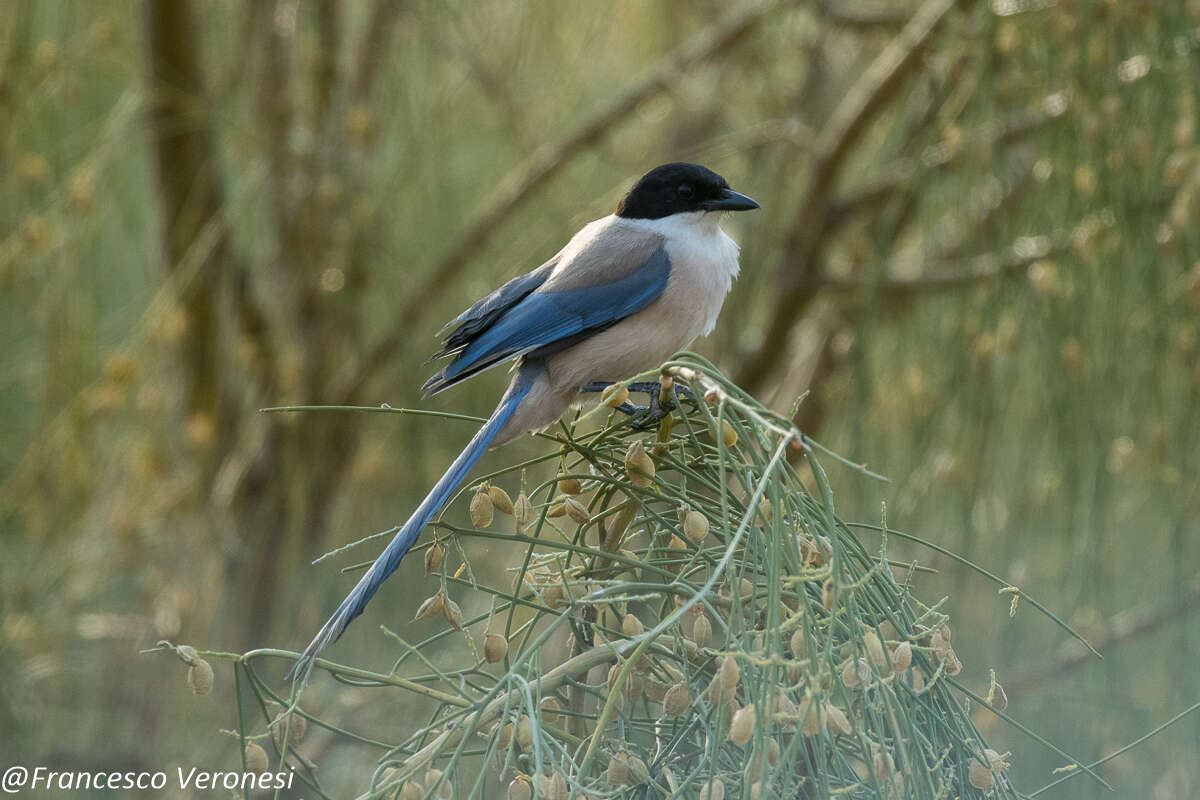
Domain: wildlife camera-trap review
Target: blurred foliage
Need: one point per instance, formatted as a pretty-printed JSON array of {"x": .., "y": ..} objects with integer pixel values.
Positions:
[{"x": 988, "y": 276}]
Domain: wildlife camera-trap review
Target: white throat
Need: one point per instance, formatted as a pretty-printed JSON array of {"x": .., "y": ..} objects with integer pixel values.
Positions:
[{"x": 703, "y": 259}]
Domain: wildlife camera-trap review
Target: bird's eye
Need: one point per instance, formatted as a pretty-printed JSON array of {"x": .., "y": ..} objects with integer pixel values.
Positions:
[{"x": 685, "y": 191}]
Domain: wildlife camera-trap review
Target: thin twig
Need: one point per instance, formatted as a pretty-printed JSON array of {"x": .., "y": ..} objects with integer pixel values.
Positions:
[
  {"x": 941, "y": 275},
  {"x": 1121, "y": 628},
  {"x": 901, "y": 173},
  {"x": 864, "y": 15}
]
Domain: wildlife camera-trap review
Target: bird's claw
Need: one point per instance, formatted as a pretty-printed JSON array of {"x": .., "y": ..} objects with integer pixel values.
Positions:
[{"x": 647, "y": 417}]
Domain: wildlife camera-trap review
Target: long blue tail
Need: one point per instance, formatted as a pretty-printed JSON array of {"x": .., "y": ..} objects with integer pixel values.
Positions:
[{"x": 390, "y": 558}]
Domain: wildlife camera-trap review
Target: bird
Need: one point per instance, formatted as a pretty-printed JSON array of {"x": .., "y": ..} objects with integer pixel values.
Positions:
[{"x": 626, "y": 292}]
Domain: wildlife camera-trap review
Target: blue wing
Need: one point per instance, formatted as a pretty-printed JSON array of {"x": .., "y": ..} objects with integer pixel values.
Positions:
[
  {"x": 542, "y": 322},
  {"x": 485, "y": 312}
]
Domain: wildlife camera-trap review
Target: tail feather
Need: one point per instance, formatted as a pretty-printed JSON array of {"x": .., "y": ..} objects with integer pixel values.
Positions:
[{"x": 390, "y": 558}]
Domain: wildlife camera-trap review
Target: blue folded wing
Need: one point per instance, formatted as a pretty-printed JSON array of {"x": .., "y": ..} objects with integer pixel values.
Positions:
[
  {"x": 486, "y": 311},
  {"x": 543, "y": 319}
]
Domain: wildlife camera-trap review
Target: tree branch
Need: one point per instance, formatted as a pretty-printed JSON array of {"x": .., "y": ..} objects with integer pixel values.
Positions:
[
  {"x": 375, "y": 46},
  {"x": 941, "y": 274},
  {"x": 189, "y": 186},
  {"x": 864, "y": 15},
  {"x": 798, "y": 268}
]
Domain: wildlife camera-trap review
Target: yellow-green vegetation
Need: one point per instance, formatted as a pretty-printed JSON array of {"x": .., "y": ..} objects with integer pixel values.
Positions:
[
  {"x": 977, "y": 254},
  {"x": 624, "y": 646}
]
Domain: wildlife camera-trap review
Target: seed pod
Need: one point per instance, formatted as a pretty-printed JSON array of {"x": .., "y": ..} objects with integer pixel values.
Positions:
[
  {"x": 997, "y": 698},
  {"x": 614, "y": 395},
  {"x": 713, "y": 791},
  {"x": 632, "y": 626},
  {"x": 568, "y": 485},
  {"x": 557, "y": 510},
  {"x": 524, "y": 732},
  {"x": 980, "y": 776},
  {"x": 856, "y": 674},
  {"x": 523, "y": 510},
  {"x": 695, "y": 526},
  {"x": 554, "y": 787},
  {"x": 741, "y": 727},
  {"x": 814, "y": 551},
  {"x": 656, "y": 690},
  {"x": 432, "y": 607},
  {"x": 626, "y": 769},
  {"x": 725, "y": 681},
  {"x": 616, "y": 683},
  {"x": 256, "y": 758},
  {"x": 828, "y": 594},
  {"x": 445, "y": 791},
  {"x": 676, "y": 550},
  {"x": 797, "y": 643},
  {"x": 901, "y": 657},
  {"x": 412, "y": 791},
  {"x": 772, "y": 752},
  {"x": 200, "y": 677},
  {"x": 883, "y": 765},
  {"x": 814, "y": 721},
  {"x": 918, "y": 681},
  {"x": 702, "y": 630},
  {"x": 953, "y": 665},
  {"x": 495, "y": 647},
  {"x": 577, "y": 510},
  {"x": 754, "y": 767},
  {"x": 551, "y": 709},
  {"x": 453, "y": 614},
  {"x": 505, "y": 735},
  {"x": 677, "y": 700},
  {"x": 875, "y": 652},
  {"x": 837, "y": 720},
  {"x": 632, "y": 556},
  {"x": 519, "y": 789},
  {"x": 481, "y": 510},
  {"x": 728, "y": 434},
  {"x": 187, "y": 654},
  {"x": 639, "y": 466},
  {"x": 437, "y": 553},
  {"x": 939, "y": 645},
  {"x": 784, "y": 704},
  {"x": 289, "y": 726},
  {"x": 500, "y": 500},
  {"x": 553, "y": 596}
]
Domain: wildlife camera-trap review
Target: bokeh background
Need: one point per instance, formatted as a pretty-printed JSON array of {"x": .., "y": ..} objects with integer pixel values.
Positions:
[{"x": 978, "y": 254}]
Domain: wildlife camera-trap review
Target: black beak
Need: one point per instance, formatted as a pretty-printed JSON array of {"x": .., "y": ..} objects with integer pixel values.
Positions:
[{"x": 730, "y": 201}]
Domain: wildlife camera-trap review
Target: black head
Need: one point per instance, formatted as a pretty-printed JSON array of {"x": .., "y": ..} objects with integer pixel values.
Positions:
[{"x": 677, "y": 189}]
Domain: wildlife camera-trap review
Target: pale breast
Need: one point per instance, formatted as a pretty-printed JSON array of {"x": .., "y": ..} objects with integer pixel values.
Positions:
[{"x": 704, "y": 262}]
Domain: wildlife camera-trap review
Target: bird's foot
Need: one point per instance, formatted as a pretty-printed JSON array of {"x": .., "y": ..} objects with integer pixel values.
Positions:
[{"x": 647, "y": 416}]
